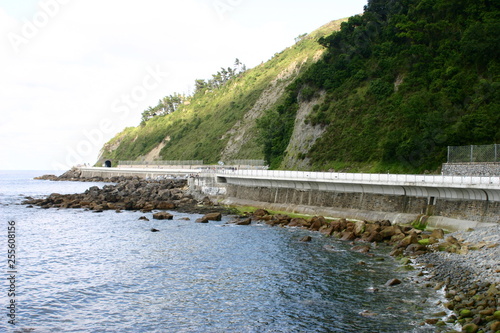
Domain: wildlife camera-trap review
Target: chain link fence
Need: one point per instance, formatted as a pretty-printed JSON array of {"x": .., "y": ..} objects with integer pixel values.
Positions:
[
  {"x": 471, "y": 154},
  {"x": 248, "y": 162},
  {"x": 241, "y": 163}
]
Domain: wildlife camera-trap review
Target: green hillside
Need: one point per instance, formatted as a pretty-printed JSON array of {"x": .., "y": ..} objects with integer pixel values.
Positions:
[
  {"x": 402, "y": 82},
  {"x": 210, "y": 123},
  {"x": 386, "y": 92}
]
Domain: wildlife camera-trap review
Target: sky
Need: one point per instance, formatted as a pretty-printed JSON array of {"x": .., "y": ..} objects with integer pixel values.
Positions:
[{"x": 74, "y": 73}]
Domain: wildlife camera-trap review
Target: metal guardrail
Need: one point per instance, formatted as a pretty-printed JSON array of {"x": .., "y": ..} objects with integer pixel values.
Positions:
[
  {"x": 359, "y": 178},
  {"x": 368, "y": 178},
  {"x": 187, "y": 162}
]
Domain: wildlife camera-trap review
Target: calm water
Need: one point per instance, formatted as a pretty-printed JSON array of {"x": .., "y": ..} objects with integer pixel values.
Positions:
[{"x": 80, "y": 271}]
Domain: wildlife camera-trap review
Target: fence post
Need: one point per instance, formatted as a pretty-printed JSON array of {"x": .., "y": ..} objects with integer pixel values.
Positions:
[
  {"x": 471, "y": 153},
  {"x": 496, "y": 151}
]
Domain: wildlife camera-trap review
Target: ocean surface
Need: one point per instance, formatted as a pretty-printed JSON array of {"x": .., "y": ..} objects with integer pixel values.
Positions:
[{"x": 79, "y": 271}]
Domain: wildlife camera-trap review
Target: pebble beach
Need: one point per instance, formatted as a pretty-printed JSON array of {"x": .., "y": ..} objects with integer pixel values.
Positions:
[{"x": 471, "y": 278}]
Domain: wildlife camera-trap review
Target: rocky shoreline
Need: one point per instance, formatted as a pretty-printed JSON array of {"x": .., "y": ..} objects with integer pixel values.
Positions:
[
  {"x": 75, "y": 175},
  {"x": 471, "y": 276},
  {"x": 127, "y": 193},
  {"x": 466, "y": 265}
]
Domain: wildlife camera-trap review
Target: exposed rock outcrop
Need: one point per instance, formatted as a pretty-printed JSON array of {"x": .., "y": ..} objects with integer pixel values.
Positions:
[{"x": 129, "y": 194}]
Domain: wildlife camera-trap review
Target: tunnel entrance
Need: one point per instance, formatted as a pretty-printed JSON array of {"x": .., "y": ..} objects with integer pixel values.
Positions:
[{"x": 107, "y": 164}]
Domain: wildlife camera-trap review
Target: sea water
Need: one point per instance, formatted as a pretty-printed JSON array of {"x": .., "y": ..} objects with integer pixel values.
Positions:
[{"x": 80, "y": 271}]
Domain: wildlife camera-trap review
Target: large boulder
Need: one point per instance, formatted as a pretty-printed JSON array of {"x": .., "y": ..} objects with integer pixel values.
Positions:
[
  {"x": 275, "y": 222},
  {"x": 361, "y": 248},
  {"x": 359, "y": 228},
  {"x": 306, "y": 239},
  {"x": 177, "y": 194},
  {"x": 213, "y": 217},
  {"x": 335, "y": 225},
  {"x": 317, "y": 222},
  {"x": 348, "y": 236},
  {"x": 408, "y": 240},
  {"x": 244, "y": 222},
  {"x": 416, "y": 248},
  {"x": 374, "y": 236},
  {"x": 164, "y": 195},
  {"x": 266, "y": 218},
  {"x": 438, "y": 234},
  {"x": 47, "y": 177},
  {"x": 384, "y": 223},
  {"x": 112, "y": 196},
  {"x": 393, "y": 282},
  {"x": 327, "y": 230},
  {"x": 163, "y": 216},
  {"x": 388, "y": 232},
  {"x": 93, "y": 192},
  {"x": 282, "y": 217},
  {"x": 298, "y": 222},
  {"x": 470, "y": 328},
  {"x": 371, "y": 227},
  {"x": 147, "y": 207},
  {"x": 260, "y": 213}
]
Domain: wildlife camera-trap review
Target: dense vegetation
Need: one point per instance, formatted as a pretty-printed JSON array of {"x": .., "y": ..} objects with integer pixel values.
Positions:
[
  {"x": 398, "y": 84},
  {"x": 166, "y": 105},
  {"x": 171, "y": 103},
  {"x": 403, "y": 81}
]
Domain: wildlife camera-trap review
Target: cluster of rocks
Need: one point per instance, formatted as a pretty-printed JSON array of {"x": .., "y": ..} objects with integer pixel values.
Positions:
[
  {"x": 130, "y": 194},
  {"x": 75, "y": 174},
  {"x": 216, "y": 216},
  {"x": 465, "y": 264},
  {"x": 477, "y": 169},
  {"x": 405, "y": 239}
]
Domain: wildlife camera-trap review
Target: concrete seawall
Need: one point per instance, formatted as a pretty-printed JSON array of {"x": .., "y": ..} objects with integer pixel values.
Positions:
[
  {"x": 454, "y": 203},
  {"x": 450, "y": 202},
  {"x": 136, "y": 172},
  {"x": 454, "y": 214}
]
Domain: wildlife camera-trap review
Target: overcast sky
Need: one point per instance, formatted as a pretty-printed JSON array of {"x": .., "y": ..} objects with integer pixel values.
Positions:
[{"x": 73, "y": 73}]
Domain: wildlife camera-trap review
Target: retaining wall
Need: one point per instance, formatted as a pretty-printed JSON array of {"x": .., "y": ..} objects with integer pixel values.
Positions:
[
  {"x": 471, "y": 169},
  {"x": 397, "y": 208},
  {"x": 131, "y": 172}
]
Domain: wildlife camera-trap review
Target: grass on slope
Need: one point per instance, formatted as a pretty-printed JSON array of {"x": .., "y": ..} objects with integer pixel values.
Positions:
[{"x": 199, "y": 130}]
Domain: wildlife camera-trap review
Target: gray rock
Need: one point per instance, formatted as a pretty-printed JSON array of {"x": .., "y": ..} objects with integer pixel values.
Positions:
[{"x": 393, "y": 282}]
